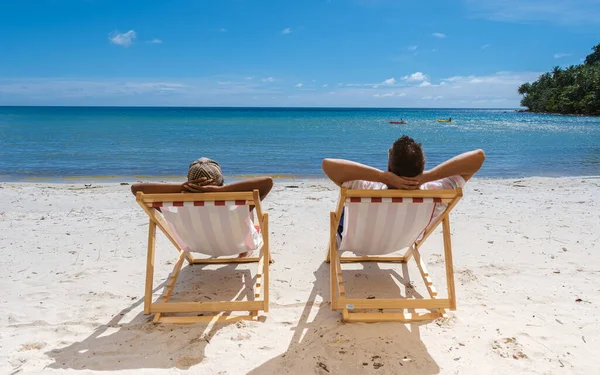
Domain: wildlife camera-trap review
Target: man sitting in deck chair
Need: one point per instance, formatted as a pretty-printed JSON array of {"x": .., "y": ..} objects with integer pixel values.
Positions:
[
  {"x": 406, "y": 170},
  {"x": 205, "y": 176},
  {"x": 389, "y": 221}
]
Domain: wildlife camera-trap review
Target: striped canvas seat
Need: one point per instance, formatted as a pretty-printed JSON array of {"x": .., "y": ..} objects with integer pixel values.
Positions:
[
  {"x": 381, "y": 222},
  {"x": 215, "y": 224},
  {"x": 378, "y": 226},
  {"x": 215, "y": 228}
]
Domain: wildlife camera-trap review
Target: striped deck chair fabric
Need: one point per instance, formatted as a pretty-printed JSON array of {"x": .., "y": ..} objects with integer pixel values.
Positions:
[
  {"x": 215, "y": 224},
  {"x": 217, "y": 228},
  {"x": 381, "y": 222},
  {"x": 378, "y": 226}
]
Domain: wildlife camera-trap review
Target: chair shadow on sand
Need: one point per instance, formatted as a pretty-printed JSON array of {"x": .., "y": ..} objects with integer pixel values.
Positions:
[
  {"x": 141, "y": 344},
  {"x": 322, "y": 344}
]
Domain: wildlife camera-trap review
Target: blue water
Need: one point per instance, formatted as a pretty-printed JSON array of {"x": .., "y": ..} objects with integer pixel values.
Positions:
[{"x": 60, "y": 142}]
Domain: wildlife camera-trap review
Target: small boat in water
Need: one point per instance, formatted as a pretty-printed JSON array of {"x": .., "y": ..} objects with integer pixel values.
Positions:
[
  {"x": 398, "y": 122},
  {"x": 445, "y": 120}
]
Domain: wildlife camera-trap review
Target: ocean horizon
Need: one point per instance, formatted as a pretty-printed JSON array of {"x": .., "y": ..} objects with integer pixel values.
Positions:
[{"x": 69, "y": 143}]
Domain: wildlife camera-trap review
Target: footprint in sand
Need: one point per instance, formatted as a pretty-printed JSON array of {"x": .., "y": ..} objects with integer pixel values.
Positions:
[
  {"x": 508, "y": 347},
  {"x": 32, "y": 346},
  {"x": 466, "y": 276},
  {"x": 241, "y": 337}
]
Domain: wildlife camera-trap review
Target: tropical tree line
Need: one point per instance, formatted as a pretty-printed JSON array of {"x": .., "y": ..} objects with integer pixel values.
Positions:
[{"x": 574, "y": 90}]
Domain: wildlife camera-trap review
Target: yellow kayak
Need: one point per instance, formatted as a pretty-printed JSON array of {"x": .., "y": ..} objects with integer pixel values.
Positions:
[{"x": 443, "y": 120}]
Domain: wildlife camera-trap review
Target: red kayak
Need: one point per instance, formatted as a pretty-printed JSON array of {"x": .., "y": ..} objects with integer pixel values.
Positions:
[{"x": 398, "y": 122}]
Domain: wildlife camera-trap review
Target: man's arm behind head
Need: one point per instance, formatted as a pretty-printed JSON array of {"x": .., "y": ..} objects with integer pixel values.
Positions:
[{"x": 464, "y": 165}]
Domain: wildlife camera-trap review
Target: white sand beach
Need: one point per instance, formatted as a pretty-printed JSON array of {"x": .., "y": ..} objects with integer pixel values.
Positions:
[{"x": 526, "y": 257}]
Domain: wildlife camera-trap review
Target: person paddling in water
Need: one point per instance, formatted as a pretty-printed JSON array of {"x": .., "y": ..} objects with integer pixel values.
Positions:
[{"x": 205, "y": 176}]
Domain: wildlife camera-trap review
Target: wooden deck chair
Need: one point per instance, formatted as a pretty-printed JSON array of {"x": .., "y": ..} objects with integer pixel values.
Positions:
[
  {"x": 214, "y": 224},
  {"x": 380, "y": 222}
]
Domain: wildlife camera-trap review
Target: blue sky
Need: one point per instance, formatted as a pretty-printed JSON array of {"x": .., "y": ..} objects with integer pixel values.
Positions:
[{"x": 371, "y": 53}]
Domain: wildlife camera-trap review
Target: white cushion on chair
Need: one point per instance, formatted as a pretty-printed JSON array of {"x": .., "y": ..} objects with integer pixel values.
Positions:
[
  {"x": 383, "y": 227},
  {"x": 213, "y": 230}
]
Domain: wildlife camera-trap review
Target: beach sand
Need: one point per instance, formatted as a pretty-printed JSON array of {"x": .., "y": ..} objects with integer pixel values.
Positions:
[{"x": 526, "y": 258}]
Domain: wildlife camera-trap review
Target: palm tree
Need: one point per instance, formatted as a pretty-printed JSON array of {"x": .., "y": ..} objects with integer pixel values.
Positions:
[
  {"x": 593, "y": 58},
  {"x": 575, "y": 89}
]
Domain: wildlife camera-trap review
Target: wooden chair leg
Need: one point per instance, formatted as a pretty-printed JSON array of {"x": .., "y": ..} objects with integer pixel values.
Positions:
[
  {"x": 449, "y": 265},
  {"x": 267, "y": 256},
  {"x": 332, "y": 269},
  {"x": 150, "y": 266}
]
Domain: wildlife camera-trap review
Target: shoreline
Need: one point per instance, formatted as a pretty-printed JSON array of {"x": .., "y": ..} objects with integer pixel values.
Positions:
[
  {"x": 143, "y": 178},
  {"x": 555, "y": 113},
  {"x": 116, "y": 180}
]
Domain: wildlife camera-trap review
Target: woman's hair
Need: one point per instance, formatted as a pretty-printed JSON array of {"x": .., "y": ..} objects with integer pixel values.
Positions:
[{"x": 205, "y": 167}]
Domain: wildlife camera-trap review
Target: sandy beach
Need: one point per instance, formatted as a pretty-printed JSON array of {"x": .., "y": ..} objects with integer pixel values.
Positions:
[{"x": 525, "y": 256}]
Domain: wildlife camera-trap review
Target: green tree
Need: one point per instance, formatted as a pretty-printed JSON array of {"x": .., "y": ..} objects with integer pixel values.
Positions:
[
  {"x": 574, "y": 90},
  {"x": 593, "y": 58}
]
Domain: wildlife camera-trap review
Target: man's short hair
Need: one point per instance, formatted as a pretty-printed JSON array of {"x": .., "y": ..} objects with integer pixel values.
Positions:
[
  {"x": 205, "y": 167},
  {"x": 406, "y": 157}
]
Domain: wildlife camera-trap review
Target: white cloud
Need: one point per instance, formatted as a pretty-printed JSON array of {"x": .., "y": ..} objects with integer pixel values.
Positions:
[
  {"x": 388, "y": 82},
  {"x": 439, "y": 35},
  {"x": 390, "y": 94},
  {"x": 561, "y": 55},
  {"x": 125, "y": 39},
  {"x": 287, "y": 30},
  {"x": 62, "y": 88},
  {"x": 486, "y": 46},
  {"x": 155, "y": 41},
  {"x": 325, "y": 85},
  {"x": 493, "y": 90},
  {"x": 500, "y": 78},
  {"x": 416, "y": 77},
  {"x": 268, "y": 79},
  {"x": 565, "y": 12},
  {"x": 298, "y": 85},
  {"x": 249, "y": 78},
  {"x": 412, "y": 48}
]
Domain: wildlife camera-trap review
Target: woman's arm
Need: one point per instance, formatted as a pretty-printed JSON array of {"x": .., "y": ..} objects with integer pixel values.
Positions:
[
  {"x": 157, "y": 188},
  {"x": 262, "y": 184}
]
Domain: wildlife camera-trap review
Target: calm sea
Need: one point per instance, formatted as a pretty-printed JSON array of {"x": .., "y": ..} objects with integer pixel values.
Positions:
[{"x": 57, "y": 142}]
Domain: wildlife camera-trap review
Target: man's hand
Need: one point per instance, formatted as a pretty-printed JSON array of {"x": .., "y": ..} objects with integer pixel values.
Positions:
[
  {"x": 394, "y": 181},
  {"x": 200, "y": 185}
]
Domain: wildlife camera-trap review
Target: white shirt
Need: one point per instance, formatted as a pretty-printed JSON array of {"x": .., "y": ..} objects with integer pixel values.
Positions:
[{"x": 448, "y": 183}]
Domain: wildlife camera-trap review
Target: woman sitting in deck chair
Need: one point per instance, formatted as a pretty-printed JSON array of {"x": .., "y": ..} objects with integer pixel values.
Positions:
[{"x": 205, "y": 176}]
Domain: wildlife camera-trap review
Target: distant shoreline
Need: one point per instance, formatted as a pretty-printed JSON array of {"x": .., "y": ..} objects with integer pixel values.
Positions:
[
  {"x": 554, "y": 113},
  {"x": 257, "y": 107}
]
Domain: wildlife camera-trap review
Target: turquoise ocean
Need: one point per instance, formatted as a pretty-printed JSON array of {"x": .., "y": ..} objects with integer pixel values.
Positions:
[{"x": 75, "y": 142}]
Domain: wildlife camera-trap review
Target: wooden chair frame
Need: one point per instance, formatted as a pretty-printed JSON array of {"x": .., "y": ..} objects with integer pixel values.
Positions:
[
  {"x": 261, "y": 287},
  {"x": 436, "y": 306}
]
